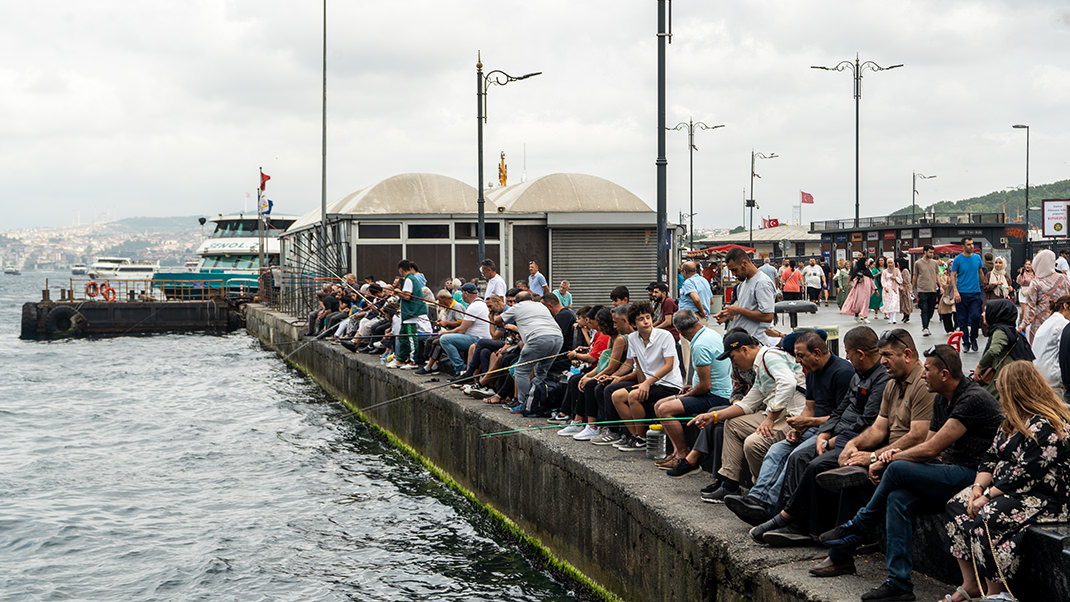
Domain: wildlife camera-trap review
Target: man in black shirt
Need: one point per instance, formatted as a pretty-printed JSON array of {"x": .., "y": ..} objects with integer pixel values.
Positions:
[{"x": 924, "y": 477}]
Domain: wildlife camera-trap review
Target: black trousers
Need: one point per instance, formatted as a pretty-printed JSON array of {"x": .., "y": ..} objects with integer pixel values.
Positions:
[{"x": 927, "y": 304}]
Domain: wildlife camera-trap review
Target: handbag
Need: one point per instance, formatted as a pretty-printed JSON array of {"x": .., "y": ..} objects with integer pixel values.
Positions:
[
  {"x": 999, "y": 570},
  {"x": 985, "y": 376}
]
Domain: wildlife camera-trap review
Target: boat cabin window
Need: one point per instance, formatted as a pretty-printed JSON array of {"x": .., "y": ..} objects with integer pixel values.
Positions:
[
  {"x": 237, "y": 228},
  {"x": 230, "y": 261}
]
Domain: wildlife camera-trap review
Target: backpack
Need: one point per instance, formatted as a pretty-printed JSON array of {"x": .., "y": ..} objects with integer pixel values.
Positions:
[{"x": 545, "y": 396}]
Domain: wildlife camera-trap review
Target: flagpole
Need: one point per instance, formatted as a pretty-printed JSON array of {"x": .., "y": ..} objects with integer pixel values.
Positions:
[{"x": 260, "y": 222}]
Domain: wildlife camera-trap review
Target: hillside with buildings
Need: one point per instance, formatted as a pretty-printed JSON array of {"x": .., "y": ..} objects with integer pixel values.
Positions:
[{"x": 167, "y": 240}]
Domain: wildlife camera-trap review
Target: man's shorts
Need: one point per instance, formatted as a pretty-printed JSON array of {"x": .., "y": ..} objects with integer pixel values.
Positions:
[
  {"x": 693, "y": 406},
  {"x": 813, "y": 293}
]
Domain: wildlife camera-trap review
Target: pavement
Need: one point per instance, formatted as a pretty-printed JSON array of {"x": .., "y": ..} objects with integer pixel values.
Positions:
[{"x": 831, "y": 316}]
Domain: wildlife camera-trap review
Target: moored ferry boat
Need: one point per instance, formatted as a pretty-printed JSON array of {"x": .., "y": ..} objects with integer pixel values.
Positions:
[
  {"x": 122, "y": 268},
  {"x": 230, "y": 258},
  {"x": 79, "y": 269}
]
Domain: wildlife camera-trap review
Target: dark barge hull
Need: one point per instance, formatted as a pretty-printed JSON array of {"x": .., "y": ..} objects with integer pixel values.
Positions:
[{"x": 49, "y": 320}]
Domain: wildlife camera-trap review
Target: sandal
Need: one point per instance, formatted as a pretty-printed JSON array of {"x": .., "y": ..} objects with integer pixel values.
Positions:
[
  {"x": 493, "y": 400},
  {"x": 966, "y": 597}
]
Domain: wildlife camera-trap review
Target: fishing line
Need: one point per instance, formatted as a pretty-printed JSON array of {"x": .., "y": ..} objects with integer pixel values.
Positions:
[
  {"x": 460, "y": 380},
  {"x": 557, "y": 426}
]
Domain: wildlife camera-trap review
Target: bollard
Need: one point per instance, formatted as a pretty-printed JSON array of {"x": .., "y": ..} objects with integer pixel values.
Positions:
[{"x": 45, "y": 297}]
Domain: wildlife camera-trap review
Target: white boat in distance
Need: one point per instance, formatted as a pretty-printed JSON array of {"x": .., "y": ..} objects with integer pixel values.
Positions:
[{"x": 121, "y": 268}]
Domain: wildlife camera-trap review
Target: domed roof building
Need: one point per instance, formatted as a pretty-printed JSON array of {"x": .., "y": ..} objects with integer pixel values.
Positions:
[{"x": 574, "y": 226}]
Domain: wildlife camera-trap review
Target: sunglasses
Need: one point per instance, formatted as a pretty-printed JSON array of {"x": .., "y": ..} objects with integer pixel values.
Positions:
[
  {"x": 887, "y": 336},
  {"x": 934, "y": 352}
]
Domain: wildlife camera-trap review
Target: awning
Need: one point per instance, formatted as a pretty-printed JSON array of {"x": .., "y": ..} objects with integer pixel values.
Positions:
[{"x": 948, "y": 249}]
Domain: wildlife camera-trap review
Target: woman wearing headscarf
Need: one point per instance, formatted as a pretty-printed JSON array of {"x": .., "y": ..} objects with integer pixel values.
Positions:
[
  {"x": 997, "y": 284},
  {"x": 1023, "y": 479},
  {"x": 906, "y": 289},
  {"x": 945, "y": 306},
  {"x": 843, "y": 281},
  {"x": 1047, "y": 286},
  {"x": 891, "y": 280},
  {"x": 857, "y": 302},
  {"x": 1025, "y": 276},
  {"x": 1051, "y": 346},
  {"x": 1004, "y": 343},
  {"x": 876, "y": 299}
]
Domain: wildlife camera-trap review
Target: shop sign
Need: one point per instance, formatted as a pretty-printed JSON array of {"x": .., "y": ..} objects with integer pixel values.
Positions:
[
  {"x": 872, "y": 235},
  {"x": 925, "y": 233},
  {"x": 856, "y": 236},
  {"x": 1055, "y": 219},
  {"x": 889, "y": 235},
  {"x": 841, "y": 238}
]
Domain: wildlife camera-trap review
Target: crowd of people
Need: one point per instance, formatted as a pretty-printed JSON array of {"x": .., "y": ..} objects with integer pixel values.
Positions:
[{"x": 805, "y": 446}]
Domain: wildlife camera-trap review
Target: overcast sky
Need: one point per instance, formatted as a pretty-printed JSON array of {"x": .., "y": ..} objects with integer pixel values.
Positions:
[{"x": 155, "y": 108}]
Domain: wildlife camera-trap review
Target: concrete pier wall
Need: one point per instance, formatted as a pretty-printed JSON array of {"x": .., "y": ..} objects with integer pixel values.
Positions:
[{"x": 612, "y": 515}]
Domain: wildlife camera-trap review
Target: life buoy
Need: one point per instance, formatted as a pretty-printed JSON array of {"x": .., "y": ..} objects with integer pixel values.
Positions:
[
  {"x": 107, "y": 292},
  {"x": 91, "y": 289}
]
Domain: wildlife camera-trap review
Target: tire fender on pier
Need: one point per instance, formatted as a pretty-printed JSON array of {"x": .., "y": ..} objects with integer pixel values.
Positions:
[{"x": 62, "y": 319}]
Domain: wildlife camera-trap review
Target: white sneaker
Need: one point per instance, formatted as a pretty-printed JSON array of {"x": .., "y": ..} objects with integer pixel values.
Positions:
[
  {"x": 589, "y": 432},
  {"x": 925, "y": 332},
  {"x": 393, "y": 364},
  {"x": 408, "y": 366},
  {"x": 865, "y": 320},
  {"x": 572, "y": 429}
]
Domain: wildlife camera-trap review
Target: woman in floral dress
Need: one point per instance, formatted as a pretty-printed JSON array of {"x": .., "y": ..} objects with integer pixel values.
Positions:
[{"x": 1023, "y": 479}]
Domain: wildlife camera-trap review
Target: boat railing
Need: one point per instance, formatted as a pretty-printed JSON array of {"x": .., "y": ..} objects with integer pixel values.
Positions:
[{"x": 148, "y": 289}]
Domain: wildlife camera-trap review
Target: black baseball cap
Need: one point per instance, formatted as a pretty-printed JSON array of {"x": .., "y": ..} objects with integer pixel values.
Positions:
[
  {"x": 468, "y": 287},
  {"x": 734, "y": 340},
  {"x": 657, "y": 285}
]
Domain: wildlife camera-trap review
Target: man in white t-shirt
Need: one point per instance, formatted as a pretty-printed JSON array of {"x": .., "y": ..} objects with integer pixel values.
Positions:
[
  {"x": 755, "y": 301},
  {"x": 475, "y": 325},
  {"x": 495, "y": 282},
  {"x": 542, "y": 343},
  {"x": 652, "y": 354},
  {"x": 814, "y": 278}
]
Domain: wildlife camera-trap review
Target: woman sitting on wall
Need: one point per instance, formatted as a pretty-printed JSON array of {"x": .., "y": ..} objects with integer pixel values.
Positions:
[{"x": 1023, "y": 479}]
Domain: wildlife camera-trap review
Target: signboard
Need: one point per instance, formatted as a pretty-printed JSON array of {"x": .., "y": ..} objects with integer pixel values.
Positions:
[
  {"x": 872, "y": 235},
  {"x": 841, "y": 238},
  {"x": 1055, "y": 222},
  {"x": 856, "y": 236},
  {"x": 826, "y": 238},
  {"x": 841, "y": 254},
  {"x": 905, "y": 234},
  {"x": 889, "y": 235},
  {"x": 925, "y": 233}
]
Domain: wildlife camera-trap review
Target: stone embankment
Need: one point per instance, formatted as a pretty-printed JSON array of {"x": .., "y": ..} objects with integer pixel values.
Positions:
[{"x": 612, "y": 515}]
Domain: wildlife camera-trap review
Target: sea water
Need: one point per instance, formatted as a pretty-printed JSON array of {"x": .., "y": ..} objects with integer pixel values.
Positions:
[{"x": 199, "y": 467}]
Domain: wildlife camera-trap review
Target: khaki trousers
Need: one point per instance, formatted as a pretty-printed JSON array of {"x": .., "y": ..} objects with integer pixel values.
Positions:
[{"x": 743, "y": 443}]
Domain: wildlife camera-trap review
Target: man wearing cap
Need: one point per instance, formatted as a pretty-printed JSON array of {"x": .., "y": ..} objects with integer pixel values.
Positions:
[
  {"x": 755, "y": 298},
  {"x": 475, "y": 325},
  {"x": 536, "y": 281},
  {"x": 759, "y": 420},
  {"x": 828, "y": 381}
]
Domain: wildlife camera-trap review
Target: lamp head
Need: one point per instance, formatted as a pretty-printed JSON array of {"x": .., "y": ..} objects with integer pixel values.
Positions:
[{"x": 1020, "y": 126}]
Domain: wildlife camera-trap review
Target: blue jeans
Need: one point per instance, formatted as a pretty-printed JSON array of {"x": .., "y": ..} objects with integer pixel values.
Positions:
[
  {"x": 968, "y": 312},
  {"x": 905, "y": 488},
  {"x": 529, "y": 372},
  {"x": 771, "y": 478},
  {"x": 454, "y": 344}
]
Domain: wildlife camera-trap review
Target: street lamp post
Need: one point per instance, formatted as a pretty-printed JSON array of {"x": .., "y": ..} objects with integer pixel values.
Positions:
[
  {"x": 483, "y": 84},
  {"x": 856, "y": 68},
  {"x": 914, "y": 195},
  {"x": 691, "y": 148},
  {"x": 750, "y": 202},
  {"x": 1028, "y": 238}
]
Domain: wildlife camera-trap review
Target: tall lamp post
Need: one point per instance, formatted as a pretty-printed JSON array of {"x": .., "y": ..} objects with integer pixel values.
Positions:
[
  {"x": 691, "y": 148},
  {"x": 1028, "y": 238},
  {"x": 483, "y": 84},
  {"x": 856, "y": 68},
  {"x": 914, "y": 195},
  {"x": 750, "y": 202}
]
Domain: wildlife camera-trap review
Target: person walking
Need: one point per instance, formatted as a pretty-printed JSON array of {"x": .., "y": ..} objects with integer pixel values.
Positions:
[
  {"x": 857, "y": 303},
  {"x": 906, "y": 289},
  {"x": 967, "y": 274},
  {"x": 875, "y": 300},
  {"x": 843, "y": 281},
  {"x": 925, "y": 279},
  {"x": 891, "y": 279}
]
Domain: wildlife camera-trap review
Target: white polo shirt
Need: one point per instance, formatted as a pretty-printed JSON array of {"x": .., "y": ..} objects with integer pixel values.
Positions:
[{"x": 651, "y": 356}]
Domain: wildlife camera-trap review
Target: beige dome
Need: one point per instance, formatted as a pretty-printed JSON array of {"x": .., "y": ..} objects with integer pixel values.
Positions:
[{"x": 566, "y": 193}]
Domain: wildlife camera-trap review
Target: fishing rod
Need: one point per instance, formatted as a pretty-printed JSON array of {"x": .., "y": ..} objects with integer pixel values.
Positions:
[
  {"x": 599, "y": 423},
  {"x": 460, "y": 380}
]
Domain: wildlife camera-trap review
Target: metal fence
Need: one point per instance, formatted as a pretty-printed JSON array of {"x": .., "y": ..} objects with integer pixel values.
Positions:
[{"x": 909, "y": 221}]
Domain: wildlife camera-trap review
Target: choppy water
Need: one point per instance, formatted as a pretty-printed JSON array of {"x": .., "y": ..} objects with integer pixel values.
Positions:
[{"x": 195, "y": 467}]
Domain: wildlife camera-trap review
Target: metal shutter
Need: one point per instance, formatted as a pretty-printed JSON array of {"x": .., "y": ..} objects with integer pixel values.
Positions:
[{"x": 596, "y": 261}]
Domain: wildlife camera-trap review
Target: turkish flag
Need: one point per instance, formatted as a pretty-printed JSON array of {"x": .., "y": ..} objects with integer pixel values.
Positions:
[
  {"x": 765, "y": 223},
  {"x": 807, "y": 198},
  {"x": 773, "y": 223},
  {"x": 263, "y": 180}
]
